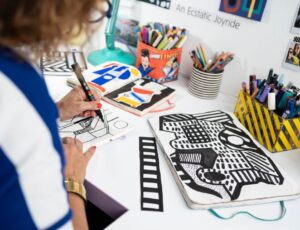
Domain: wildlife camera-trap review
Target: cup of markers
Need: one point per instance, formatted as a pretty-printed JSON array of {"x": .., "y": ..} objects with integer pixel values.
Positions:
[
  {"x": 159, "y": 51},
  {"x": 207, "y": 74}
]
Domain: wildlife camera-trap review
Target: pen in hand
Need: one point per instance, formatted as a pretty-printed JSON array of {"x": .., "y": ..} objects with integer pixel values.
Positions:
[{"x": 86, "y": 88}]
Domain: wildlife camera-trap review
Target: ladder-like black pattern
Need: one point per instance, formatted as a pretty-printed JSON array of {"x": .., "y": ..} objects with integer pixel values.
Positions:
[{"x": 151, "y": 188}]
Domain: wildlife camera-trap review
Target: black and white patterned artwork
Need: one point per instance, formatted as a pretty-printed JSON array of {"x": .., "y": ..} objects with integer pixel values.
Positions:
[
  {"x": 92, "y": 131},
  {"x": 58, "y": 63},
  {"x": 214, "y": 157},
  {"x": 161, "y": 3},
  {"x": 151, "y": 187}
]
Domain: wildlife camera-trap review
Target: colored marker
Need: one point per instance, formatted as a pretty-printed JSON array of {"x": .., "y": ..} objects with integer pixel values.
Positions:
[{"x": 86, "y": 88}]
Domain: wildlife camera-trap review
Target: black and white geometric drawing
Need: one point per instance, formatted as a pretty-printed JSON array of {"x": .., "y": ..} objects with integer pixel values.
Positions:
[
  {"x": 161, "y": 3},
  {"x": 151, "y": 187},
  {"x": 214, "y": 156},
  {"x": 91, "y": 130},
  {"x": 58, "y": 63}
]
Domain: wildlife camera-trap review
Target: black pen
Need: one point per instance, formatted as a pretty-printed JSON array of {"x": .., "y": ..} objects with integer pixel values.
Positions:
[{"x": 86, "y": 88}]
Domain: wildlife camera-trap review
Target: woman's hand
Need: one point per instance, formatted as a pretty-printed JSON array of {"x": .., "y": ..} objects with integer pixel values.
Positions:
[
  {"x": 76, "y": 160},
  {"x": 74, "y": 103}
]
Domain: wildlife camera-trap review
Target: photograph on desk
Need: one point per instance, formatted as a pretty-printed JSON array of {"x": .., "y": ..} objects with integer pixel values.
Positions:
[
  {"x": 92, "y": 131},
  {"x": 126, "y": 31},
  {"x": 216, "y": 162},
  {"x": 292, "y": 56},
  {"x": 296, "y": 22}
]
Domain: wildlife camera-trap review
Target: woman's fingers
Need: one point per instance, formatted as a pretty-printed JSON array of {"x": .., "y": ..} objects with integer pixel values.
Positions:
[{"x": 89, "y": 153}]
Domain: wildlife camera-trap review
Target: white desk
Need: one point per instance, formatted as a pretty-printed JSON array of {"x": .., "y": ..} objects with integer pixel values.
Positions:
[{"x": 115, "y": 170}]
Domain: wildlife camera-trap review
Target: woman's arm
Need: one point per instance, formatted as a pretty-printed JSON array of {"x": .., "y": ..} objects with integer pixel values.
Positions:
[{"x": 75, "y": 170}]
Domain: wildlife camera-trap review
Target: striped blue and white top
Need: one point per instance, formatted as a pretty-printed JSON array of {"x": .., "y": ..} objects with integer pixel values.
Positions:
[{"x": 32, "y": 194}]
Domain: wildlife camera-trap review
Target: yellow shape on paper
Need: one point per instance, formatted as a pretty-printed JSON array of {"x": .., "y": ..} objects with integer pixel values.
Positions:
[
  {"x": 128, "y": 101},
  {"x": 251, "y": 8},
  {"x": 134, "y": 72}
]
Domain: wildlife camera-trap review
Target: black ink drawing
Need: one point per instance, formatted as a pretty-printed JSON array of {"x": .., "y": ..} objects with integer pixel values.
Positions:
[
  {"x": 161, "y": 3},
  {"x": 151, "y": 188},
  {"x": 91, "y": 130},
  {"x": 58, "y": 63},
  {"x": 214, "y": 156}
]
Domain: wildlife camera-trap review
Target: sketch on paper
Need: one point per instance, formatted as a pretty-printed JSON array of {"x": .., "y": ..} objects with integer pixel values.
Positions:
[
  {"x": 150, "y": 179},
  {"x": 58, "y": 63},
  {"x": 214, "y": 156},
  {"x": 91, "y": 130}
]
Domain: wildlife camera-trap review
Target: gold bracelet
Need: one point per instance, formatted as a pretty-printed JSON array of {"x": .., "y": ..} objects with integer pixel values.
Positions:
[{"x": 76, "y": 188}]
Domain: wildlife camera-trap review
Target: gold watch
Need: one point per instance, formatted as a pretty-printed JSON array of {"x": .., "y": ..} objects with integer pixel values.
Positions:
[{"x": 76, "y": 187}]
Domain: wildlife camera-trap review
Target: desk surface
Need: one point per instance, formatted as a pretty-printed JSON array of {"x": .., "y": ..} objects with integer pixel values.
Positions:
[{"x": 115, "y": 170}]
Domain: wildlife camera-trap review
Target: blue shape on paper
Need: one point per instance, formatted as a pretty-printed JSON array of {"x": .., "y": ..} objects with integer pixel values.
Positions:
[
  {"x": 105, "y": 70},
  {"x": 110, "y": 73},
  {"x": 137, "y": 97},
  {"x": 103, "y": 79}
]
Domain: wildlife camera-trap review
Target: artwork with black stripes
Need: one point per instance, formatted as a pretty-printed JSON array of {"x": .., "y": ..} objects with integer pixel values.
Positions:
[
  {"x": 214, "y": 156},
  {"x": 151, "y": 187},
  {"x": 161, "y": 3},
  {"x": 58, "y": 63}
]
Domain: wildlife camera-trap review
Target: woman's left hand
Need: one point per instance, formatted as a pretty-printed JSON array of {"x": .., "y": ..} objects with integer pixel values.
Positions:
[{"x": 74, "y": 103}]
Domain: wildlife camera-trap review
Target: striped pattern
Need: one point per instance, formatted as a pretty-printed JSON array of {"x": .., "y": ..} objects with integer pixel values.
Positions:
[
  {"x": 267, "y": 127},
  {"x": 213, "y": 116},
  {"x": 179, "y": 170},
  {"x": 31, "y": 154},
  {"x": 151, "y": 188},
  {"x": 59, "y": 63}
]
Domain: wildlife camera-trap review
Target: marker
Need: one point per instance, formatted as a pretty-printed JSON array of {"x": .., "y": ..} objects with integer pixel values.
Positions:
[
  {"x": 163, "y": 43},
  {"x": 203, "y": 54},
  {"x": 157, "y": 40},
  {"x": 86, "y": 88},
  {"x": 261, "y": 89},
  {"x": 252, "y": 84},
  {"x": 272, "y": 101},
  {"x": 264, "y": 94},
  {"x": 181, "y": 41}
]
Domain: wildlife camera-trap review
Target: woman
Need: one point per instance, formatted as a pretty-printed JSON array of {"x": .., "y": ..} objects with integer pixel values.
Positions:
[{"x": 32, "y": 157}]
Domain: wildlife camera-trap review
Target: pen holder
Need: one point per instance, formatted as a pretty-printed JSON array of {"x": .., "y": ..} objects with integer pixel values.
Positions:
[
  {"x": 158, "y": 65},
  {"x": 205, "y": 85},
  {"x": 269, "y": 129}
]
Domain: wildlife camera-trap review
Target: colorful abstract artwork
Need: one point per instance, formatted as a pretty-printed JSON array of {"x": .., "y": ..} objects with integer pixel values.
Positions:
[
  {"x": 112, "y": 76},
  {"x": 140, "y": 94},
  {"x": 251, "y": 9}
]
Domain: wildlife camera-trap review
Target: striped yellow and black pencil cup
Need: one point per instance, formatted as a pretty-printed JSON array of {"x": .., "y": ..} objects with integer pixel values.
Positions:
[
  {"x": 205, "y": 85},
  {"x": 269, "y": 129}
]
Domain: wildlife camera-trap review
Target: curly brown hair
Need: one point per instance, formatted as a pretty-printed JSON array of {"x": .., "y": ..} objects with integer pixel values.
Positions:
[{"x": 43, "y": 23}]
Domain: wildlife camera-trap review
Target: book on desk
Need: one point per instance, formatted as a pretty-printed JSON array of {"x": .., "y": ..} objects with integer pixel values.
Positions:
[
  {"x": 216, "y": 162},
  {"x": 123, "y": 86}
]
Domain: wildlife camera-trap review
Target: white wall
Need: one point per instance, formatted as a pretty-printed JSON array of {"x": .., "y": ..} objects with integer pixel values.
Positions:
[{"x": 258, "y": 46}]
